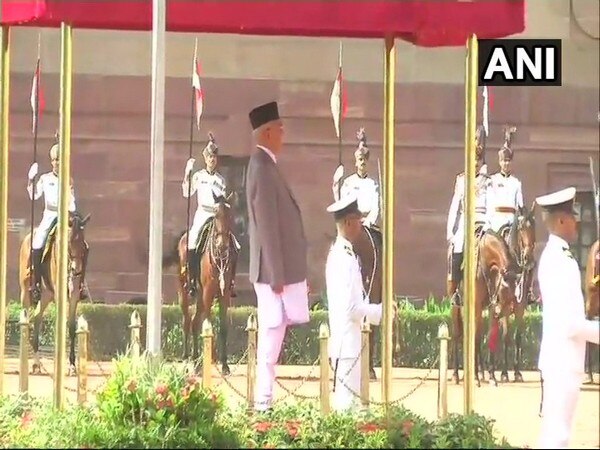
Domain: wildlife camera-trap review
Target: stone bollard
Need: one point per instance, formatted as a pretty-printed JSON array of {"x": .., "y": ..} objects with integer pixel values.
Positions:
[
  {"x": 24, "y": 353},
  {"x": 135, "y": 324},
  {"x": 83, "y": 333},
  {"x": 251, "y": 328},
  {"x": 444, "y": 337},
  {"x": 364, "y": 364},
  {"x": 324, "y": 358},
  {"x": 207, "y": 345}
]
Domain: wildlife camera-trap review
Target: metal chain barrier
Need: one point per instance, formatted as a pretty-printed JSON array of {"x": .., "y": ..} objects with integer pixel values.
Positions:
[{"x": 294, "y": 392}]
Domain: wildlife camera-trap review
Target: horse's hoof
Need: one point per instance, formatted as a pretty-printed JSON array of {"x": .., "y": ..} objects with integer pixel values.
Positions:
[
  {"x": 518, "y": 377},
  {"x": 504, "y": 377},
  {"x": 36, "y": 369},
  {"x": 478, "y": 381},
  {"x": 589, "y": 379},
  {"x": 72, "y": 371},
  {"x": 372, "y": 375},
  {"x": 225, "y": 370},
  {"x": 456, "y": 378},
  {"x": 493, "y": 381}
]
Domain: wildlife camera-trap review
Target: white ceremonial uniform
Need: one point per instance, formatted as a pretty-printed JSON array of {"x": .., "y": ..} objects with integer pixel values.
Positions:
[
  {"x": 48, "y": 185},
  {"x": 455, "y": 228},
  {"x": 565, "y": 331},
  {"x": 366, "y": 191},
  {"x": 204, "y": 184},
  {"x": 508, "y": 199},
  {"x": 347, "y": 307}
]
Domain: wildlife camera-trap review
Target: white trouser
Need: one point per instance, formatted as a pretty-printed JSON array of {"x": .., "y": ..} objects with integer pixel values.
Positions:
[
  {"x": 558, "y": 410},
  {"x": 347, "y": 383},
  {"x": 499, "y": 219},
  {"x": 200, "y": 219},
  {"x": 40, "y": 233}
]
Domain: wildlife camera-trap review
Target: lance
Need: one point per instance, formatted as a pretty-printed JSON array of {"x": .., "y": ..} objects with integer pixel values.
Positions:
[
  {"x": 189, "y": 175},
  {"x": 36, "y": 107},
  {"x": 596, "y": 198},
  {"x": 340, "y": 113}
]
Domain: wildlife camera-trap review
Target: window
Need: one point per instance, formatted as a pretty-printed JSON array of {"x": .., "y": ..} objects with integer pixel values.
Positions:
[
  {"x": 586, "y": 218},
  {"x": 233, "y": 170}
]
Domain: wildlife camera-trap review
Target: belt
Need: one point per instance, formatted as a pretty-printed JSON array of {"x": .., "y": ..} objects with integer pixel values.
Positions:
[{"x": 505, "y": 209}]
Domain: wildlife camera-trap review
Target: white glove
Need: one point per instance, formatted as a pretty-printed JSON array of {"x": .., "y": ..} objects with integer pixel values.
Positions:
[
  {"x": 189, "y": 166},
  {"x": 338, "y": 174},
  {"x": 33, "y": 170}
]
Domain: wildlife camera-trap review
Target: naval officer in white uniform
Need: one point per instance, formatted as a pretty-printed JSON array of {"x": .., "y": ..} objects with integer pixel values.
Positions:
[
  {"x": 565, "y": 329},
  {"x": 348, "y": 304}
]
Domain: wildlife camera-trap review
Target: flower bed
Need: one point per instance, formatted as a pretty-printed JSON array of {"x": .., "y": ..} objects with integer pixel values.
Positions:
[{"x": 143, "y": 406}]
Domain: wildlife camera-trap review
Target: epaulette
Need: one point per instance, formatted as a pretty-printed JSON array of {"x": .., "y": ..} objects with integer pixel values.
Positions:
[{"x": 568, "y": 252}]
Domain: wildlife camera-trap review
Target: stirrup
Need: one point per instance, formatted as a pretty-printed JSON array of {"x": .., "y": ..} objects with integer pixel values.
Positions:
[{"x": 36, "y": 294}]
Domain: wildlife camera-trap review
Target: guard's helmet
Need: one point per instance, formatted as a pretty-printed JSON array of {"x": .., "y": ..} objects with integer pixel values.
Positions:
[
  {"x": 211, "y": 148},
  {"x": 362, "y": 149}
]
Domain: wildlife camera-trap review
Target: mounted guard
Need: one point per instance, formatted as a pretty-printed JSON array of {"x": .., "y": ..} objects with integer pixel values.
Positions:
[
  {"x": 508, "y": 195},
  {"x": 363, "y": 187},
  {"x": 48, "y": 186},
  {"x": 209, "y": 185},
  {"x": 455, "y": 229}
]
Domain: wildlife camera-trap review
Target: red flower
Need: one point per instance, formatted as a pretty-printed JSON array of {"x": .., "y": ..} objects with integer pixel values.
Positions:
[
  {"x": 407, "y": 427},
  {"x": 214, "y": 398},
  {"x": 293, "y": 427},
  {"x": 370, "y": 427},
  {"x": 263, "y": 427},
  {"x": 162, "y": 389},
  {"x": 26, "y": 419}
]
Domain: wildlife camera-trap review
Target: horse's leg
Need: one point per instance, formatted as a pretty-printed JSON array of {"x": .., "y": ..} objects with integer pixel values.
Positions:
[
  {"x": 456, "y": 339},
  {"x": 506, "y": 345},
  {"x": 493, "y": 325},
  {"x": 184, "y": 303},
  {"x": 519, "y": 325},
  {"x": 72, "y": 324},
  {"x": 35, "y": 341},
  {"x": 372, "y": 349},
  {"x": 223, "y": 304},
  {"x": 197, "y": 324}
]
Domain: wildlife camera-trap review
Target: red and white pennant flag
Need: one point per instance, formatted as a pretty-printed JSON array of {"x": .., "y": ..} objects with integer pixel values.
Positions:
[
  {"x": 487, "y": 106},
  {"x": 37, "y": 97},
  {"x": 199, "y": 95},
  {"x": 338, "y": 101}
]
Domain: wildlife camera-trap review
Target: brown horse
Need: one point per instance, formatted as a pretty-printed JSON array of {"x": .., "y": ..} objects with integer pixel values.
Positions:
[
  {"x": 494, "y": 290},
  {"x": 78, "y": 251},
  {"x": 369, "y": 250},
  {"x": 217, "y": 263},
  {"x": 521, "y": 242},
  {"x": 592, "y": 297}
]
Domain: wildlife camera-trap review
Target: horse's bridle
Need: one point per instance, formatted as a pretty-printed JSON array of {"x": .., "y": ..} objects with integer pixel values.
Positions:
[{"x": 219, "y": 259}]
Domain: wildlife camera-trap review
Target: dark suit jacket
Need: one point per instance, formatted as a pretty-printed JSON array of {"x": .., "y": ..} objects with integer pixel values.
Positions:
[{"x": 277, "y": 240}]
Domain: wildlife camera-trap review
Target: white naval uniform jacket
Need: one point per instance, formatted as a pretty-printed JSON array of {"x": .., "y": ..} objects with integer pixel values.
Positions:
[
  {"x": 366, "y": 191},
  {"x": 203, "y": 183},
  {"x": 508, "y": 198},
  {"x": 565, "y": 329},
  {"x": 347, "y": 303},
  {"x": 48, "y": 184},
  {"x": 455, "y": 227}
]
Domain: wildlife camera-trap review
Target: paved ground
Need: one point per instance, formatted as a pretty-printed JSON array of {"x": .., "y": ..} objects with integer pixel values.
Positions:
[{"x": 513, "y": 406}]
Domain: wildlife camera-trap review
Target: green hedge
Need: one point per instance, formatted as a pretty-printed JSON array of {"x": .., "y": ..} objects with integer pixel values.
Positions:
[{"x": 109, "y": 334}]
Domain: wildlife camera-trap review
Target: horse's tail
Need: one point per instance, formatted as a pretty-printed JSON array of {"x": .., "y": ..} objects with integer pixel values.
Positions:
[{"x": 172, "y": 256}]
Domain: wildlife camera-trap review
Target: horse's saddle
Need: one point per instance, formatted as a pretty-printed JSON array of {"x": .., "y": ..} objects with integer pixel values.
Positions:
[
  {"x": 504, "y": 232},
  {"x": 203, "y": 236}
]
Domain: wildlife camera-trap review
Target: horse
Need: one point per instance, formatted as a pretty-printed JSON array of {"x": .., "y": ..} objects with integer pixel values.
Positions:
[
  {"x": 78, "y": 251},
  {"x": 521, "y": 242},
  {"x": 369, "y": 249},
  {"x": 494, "y": 290},
  {"x": 216, "y": 268},
  {"x": 592, "y": 296}
]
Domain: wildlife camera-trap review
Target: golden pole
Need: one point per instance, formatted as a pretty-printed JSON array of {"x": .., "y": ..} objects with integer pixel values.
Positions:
[
  {"x": 388, "y": 223},
  {"x": 4, "y": 108},
  {"x": 469, "y": 249},
  {"x": 64, "y": 177}
]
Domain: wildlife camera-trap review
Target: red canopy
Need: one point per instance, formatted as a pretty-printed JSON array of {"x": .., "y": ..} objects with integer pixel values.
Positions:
[{"x": 424, "y": 22}]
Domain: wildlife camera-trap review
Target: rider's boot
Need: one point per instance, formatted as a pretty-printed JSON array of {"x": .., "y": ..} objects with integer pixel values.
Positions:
[
  {"x": 232, "y": 291},
  {"x": 192, "y": 275},
  {"x": 36, "y": 290}
]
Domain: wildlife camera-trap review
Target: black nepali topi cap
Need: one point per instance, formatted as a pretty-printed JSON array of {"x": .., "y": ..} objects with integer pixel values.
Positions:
[{"x": 263, "y": 114}]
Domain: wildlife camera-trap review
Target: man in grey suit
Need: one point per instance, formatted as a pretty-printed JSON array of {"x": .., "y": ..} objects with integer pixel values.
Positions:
[{"x": 277, "y": 248}]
